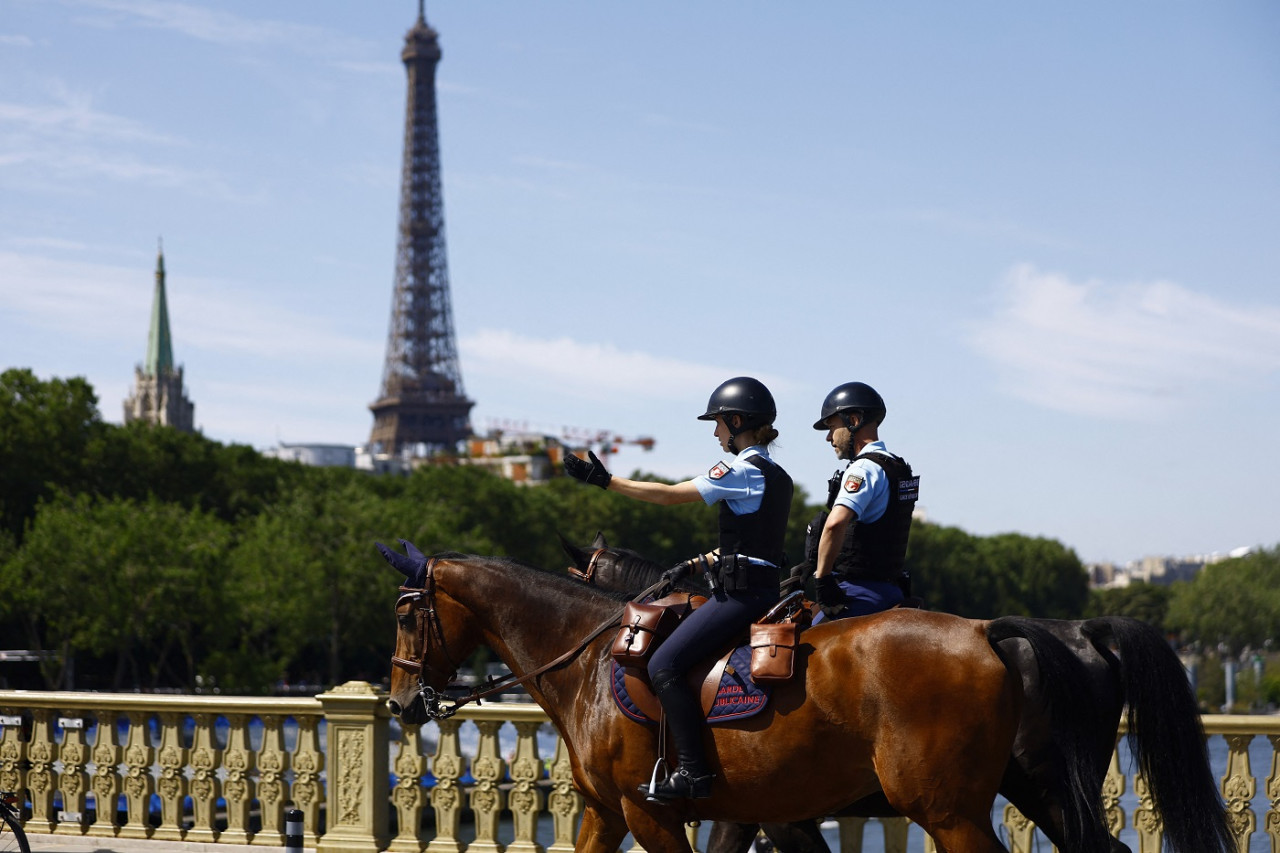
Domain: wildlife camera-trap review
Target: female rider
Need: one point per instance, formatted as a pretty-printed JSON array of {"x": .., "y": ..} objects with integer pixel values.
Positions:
[{"x": 754, "y": 494}]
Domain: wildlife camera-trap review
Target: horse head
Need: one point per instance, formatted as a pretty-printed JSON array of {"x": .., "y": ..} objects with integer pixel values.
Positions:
[
  {"x": 432, "y": 637},
  {"x": 620, "y": 569}
]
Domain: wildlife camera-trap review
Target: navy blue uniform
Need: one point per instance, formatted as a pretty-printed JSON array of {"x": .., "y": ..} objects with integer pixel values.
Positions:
[
  {"x": 755, "y": 497},
  {"x": 872, "y": 555}
]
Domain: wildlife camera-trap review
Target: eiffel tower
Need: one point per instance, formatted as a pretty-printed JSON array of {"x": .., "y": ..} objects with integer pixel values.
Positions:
[{"x": 422, "y": 407}]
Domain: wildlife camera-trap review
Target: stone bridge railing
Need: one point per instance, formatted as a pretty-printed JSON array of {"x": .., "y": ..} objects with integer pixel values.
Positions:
[{"x": 494, "y": 778}]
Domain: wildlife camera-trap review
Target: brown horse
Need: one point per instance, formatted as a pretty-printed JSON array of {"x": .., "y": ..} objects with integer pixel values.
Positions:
[
  {"x": 920, "y": 709},
  {"x": 1040, "y": 651}
]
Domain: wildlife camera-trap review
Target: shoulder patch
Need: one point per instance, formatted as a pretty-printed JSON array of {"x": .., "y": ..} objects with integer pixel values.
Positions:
[
  {"x": 909, "y": 490},
  {"x": 853, "y": 482},
  {"x": 718, "y": 470}
]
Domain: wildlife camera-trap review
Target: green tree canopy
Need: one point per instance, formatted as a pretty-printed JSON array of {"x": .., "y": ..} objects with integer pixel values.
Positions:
[
  {"x": 1235, "y": 602},
  {"x": 985, "y": 577},
  {"x": 132, "y": 589},
  {"x": 1145, "y": 601},
  {"x": 45, "y": 431}
]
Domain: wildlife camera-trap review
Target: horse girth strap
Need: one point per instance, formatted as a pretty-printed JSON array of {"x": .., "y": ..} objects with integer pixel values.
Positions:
[{"x": 424, "y": 601}]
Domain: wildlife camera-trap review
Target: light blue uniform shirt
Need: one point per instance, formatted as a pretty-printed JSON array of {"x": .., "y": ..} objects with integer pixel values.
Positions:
[
  {"x": 864, "y": 488},
  {"x": 738, "y": 483}
]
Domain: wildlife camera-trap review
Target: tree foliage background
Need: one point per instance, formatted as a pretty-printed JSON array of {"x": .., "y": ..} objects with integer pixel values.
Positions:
[{"x": 157, "y": 559}]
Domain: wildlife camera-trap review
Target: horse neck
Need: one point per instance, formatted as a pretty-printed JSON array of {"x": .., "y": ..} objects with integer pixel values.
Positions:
[
  {"x": 528, "y": 617},
  {"x": 623, "y": 572}
]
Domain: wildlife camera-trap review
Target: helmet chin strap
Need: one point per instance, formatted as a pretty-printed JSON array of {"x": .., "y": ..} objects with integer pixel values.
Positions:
[
  {"x": 734, "y": 432},
  {"x": 848, "y": 453}
]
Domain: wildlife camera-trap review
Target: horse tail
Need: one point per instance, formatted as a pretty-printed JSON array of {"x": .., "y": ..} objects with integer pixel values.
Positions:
[
  {"x": 1061, "y": 682},
  {"x": 1166, "y": 735}
]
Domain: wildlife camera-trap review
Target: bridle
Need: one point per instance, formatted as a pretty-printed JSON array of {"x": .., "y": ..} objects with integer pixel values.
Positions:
[
  {"x": 438, "y": 705},
  {"x": 589, "y": 575},
  {"x": 429, "y": 631}
]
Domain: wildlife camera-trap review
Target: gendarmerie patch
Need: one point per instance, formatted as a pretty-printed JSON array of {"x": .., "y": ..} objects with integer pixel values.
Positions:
[
  {"x": 853, "y": 483},
  {"x": 909, "y": 490},
  {"x": 718, "y": 470}
]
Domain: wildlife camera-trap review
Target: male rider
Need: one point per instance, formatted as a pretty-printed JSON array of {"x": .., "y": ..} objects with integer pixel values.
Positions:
[{"x": 863, "y": 541}]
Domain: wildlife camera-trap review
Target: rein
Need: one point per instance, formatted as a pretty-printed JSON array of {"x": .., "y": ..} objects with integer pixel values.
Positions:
[{"x": 429, "y": 628}]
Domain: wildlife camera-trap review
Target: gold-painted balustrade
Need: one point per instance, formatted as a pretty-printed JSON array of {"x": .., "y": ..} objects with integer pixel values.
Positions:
[{"x": 218, "y": 769}]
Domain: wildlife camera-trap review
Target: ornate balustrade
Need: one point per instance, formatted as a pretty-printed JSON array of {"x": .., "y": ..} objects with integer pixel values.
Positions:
[{"x": 224, "y": 769}]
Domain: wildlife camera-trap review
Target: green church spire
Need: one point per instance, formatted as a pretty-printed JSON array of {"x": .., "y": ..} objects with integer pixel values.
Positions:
[{"x": 159, "y": 360}]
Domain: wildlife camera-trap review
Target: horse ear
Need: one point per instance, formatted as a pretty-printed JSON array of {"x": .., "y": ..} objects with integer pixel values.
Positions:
[
  {"x": 599, "y": 542},
  {"x": 407, "y": 566},
  {"x": 574, "y": 552},
  {"x": 413, "y": 552}
]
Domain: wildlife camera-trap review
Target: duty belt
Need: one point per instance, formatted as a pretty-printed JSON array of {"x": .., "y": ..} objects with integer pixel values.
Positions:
[{"x": 739, "y": 571}]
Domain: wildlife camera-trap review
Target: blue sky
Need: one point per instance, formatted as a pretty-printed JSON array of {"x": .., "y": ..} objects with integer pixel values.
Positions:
[{"x": 1047, "y": 235}]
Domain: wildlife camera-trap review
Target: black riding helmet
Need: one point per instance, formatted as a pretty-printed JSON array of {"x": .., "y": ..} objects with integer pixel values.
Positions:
[
  {"x": 743, "y": 396},
  {"x": 852, "y": 397}
]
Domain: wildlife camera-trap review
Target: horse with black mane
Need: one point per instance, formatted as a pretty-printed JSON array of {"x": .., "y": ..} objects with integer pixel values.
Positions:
[
  {"x": 1167, "y": 738},
  {"x": 915, "y": 706}
]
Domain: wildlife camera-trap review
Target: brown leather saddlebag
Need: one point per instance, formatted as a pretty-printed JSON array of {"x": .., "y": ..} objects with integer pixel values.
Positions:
[
  {"x": 643, "y": 627},
  {"x": 773, "y": 651}
]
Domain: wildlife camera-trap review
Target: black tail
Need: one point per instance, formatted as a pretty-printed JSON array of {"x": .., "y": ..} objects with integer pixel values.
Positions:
[
  {"x": 1075, "y": 722},
  {"x": 1166, "y": 736}
]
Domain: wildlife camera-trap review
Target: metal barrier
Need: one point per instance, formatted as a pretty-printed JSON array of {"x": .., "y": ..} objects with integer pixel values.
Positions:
[{"x": 224, "y": 770}]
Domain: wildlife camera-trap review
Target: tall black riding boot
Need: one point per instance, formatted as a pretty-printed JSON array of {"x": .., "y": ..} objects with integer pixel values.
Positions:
[{"x": 692, "y": 779}]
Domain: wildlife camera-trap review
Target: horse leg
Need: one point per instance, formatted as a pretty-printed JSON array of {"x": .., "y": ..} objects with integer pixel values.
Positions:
[
  {"x": 656, "y": 829},
  {"x": 962, "y": 835},
  {"x": 1043, "y": 808},
  {"x": 800, "y": 837},
  {"x": 729, "y": 837},
  {"x": 600, "y": 832},
  {"x": 956, "y": 816}
]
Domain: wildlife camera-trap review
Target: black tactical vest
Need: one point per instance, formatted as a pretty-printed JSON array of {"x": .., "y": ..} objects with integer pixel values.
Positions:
[
  {"x": 876, "y": 551},
  {"x": 758, "y": 534}
]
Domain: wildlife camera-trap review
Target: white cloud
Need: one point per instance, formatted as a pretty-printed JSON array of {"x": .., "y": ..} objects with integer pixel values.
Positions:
[
  {"x": 16, "y": 41},
  {"x": 592, "y": 371},
  {"x": 72, "y": 115},
  {"x": 107, "y": 303},
  {"x": 1127, "y": 351},
  {"x": 61, "y": 142},
  {"x": 223, "y": 28}
]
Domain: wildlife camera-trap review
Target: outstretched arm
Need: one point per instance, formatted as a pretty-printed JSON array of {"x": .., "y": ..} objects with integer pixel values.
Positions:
[
  {"x": 656, "y": 493},
  {"x": 593, "y": 473}
]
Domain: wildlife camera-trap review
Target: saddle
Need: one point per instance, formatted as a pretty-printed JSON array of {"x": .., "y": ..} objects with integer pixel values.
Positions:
[{"x": 731, "y": 686}]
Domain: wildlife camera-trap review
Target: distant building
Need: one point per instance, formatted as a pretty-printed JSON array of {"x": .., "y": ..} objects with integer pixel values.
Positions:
[
  {"x": 1104, "y": 575},
  {"x": 158, "y": 396},
  {"x": 1165, "y": 570},
  {"x": 1160, "y": 571},
  {"x": 522, "y": 458},
  {"x": 319, "y": 455}
]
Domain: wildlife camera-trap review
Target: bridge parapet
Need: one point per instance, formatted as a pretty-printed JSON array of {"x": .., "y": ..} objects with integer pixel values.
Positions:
[{"x": 219, "y": 770}]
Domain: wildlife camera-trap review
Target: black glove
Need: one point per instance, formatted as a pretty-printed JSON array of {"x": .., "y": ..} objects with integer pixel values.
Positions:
[
  {"x": 592, "y": 473},
  {"x": 795, "y": 580},
  {"x": 828, "y": 595},
  {"x": 678, "y": 572}
]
